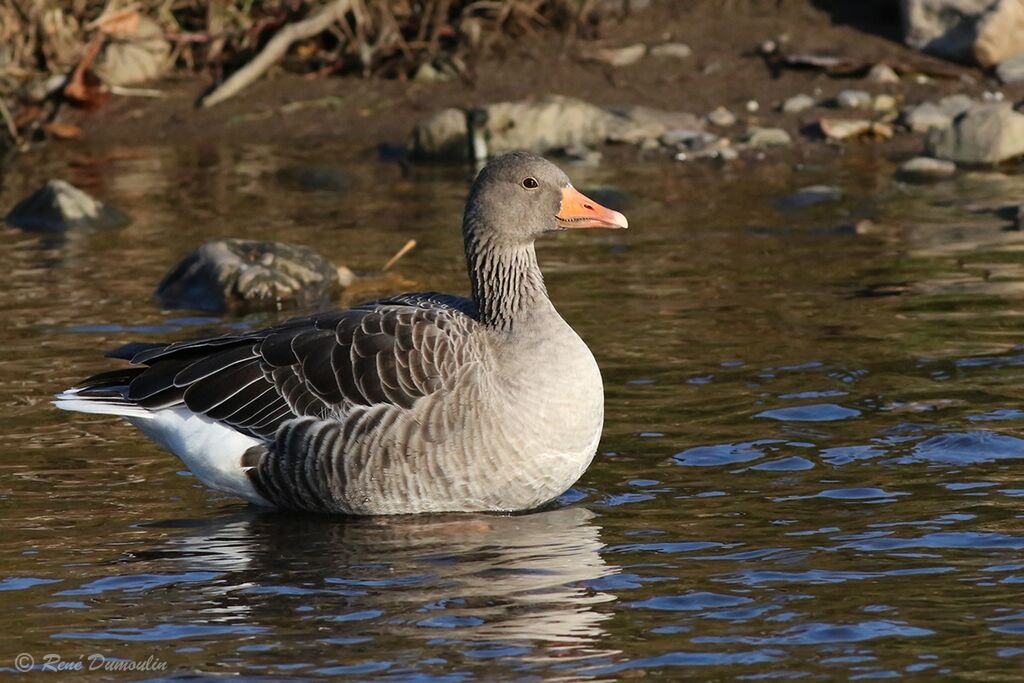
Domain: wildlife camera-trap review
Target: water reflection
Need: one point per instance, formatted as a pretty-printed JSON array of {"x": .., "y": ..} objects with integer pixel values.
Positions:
[{"x": 467, "y": 577}]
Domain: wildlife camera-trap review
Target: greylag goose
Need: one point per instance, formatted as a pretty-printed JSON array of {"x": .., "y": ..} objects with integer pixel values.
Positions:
[{"x": 419, "y": 403}]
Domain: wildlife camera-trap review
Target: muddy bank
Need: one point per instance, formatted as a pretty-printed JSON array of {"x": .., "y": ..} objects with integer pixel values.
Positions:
[{"x": 723, "y": 69}]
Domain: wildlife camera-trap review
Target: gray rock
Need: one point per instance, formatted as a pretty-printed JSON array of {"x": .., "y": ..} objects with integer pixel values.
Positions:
[
  {"x": 428, "y": 73},
  {"x": 635, "y": 124},
  {"x": 925, "y": 169},
  {"x": 947, "y": 28},
  {"x": 854, "y": 99},
  {"x": 798, "y": 103},
  {"x": 140, "y": 57},
  {"x": 671, "y": 50},
  {"x": 986, "y": 134},
  {"x": 939, "y": 115},
  {"x": 768, "y": 137},
  {"x": 883, "y": 73},
  {"x": 1012, "y": 70},
  {"x": 810, "y": 196},
  {"x": 618, "y": 57},
  {"x": 1000, "y": 33},
  {"x": 59, "y": 205},
  {"x": 722, "y": 117},
  {"x": 551, "y": 122},
  {"x": 690, "y": 139},
  {"x": 884, "y": 102},
  {"x": 238, "y": 274}
]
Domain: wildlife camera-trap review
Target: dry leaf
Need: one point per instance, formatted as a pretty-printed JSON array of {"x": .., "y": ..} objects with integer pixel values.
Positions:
[
  {"x": 63, "y": 131},
  {"x": 119, "y": 24}
]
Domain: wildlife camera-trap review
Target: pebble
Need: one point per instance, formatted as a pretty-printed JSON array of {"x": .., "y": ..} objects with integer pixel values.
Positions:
[
  {"x": 752, "y": 106},
  {"x": 798, "y": 103},
  {"x": 854, "y": 99},
  {"x": 883, "y": 73},
  {"x": 988, "y": 134},
  {"x": 1011, "y": 70},
  {"x": 768, "y": 137},
  {"x": 671, "y": 50},
  {"x": 928, "y": 115},
  {"x": 428, "y": 73},
  {"x": 691, "y": 139},
  {"x": 59, "y": 205},
  {"x": 721, "y": 117},
  {"x": 923, "y": 169},
  {"x": 885, "y": 102},
  {"x": 809, "y": 196},
  {"x": 623, "y": 56}
]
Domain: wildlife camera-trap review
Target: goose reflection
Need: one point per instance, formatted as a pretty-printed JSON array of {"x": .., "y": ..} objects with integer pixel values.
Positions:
[{"x": 463, "y": 577}]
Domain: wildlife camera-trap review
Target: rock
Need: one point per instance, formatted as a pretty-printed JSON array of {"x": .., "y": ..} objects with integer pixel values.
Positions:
[
  {"x": 883, "y": 73},
  {"x": 752, "y": 106},
  {"x": 136, "y": 58},
  {"x": 690, "y": 139},
  {"x": 428, "y": 73},
  {"x": 59, "y": 205},
  {"x": 924, "y": 169},
  {"x": 940, "y": 115},
  {"x": 843, "y": 129},
  {"x": 317, "y": 179},
  {"x": 579, "y": 154},
  {"x": 671, "y": 50},
  {"x": 946, "y": 28},
  {"x": 810, "y": 196},
  {"x": 618, "y": 57},
  {"x": 634, "y": 124},
  {"x": 1000, "y": 33},
  {"x": 986, "y": 134},
  {"x": 884, "y": 102},
  {"x": 250, "y": 275},
  {"x": 768, "y": 137},
  {"x": 854, "y": 99},
  {"x": 798, "y": 103},
  {"x": 1011, "y": 70},
  {"x": 551, "y": 122},
  {"x": 722, "y": 117}
]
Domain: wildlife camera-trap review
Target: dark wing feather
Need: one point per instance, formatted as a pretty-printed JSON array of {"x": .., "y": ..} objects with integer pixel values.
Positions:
[{"x": 391, "y": 352}]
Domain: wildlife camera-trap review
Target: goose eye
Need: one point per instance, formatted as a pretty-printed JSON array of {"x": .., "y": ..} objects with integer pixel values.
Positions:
[{"x": 530, "y": 183}]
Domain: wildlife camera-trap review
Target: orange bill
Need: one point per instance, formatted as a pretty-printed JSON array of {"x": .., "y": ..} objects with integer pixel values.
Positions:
[{"x": 578, "y": 211}]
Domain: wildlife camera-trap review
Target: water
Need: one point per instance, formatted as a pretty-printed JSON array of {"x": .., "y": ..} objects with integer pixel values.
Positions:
[{"x": 811, "y": 466}]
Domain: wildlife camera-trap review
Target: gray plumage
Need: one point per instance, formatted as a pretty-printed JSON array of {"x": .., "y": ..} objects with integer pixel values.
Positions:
[{"x": 418, "y": 403}]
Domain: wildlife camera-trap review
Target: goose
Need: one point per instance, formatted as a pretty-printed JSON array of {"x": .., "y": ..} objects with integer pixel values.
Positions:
[{"x": 418, "y": 403}]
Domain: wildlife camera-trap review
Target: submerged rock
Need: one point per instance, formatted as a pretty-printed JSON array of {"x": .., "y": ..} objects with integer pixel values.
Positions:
[
  {"x": 59, "y": 205},
  {"x": 251, "y": 275},
  {"x": 925, "y": 169},
  {"x": 986, "y": 134},
  {"x": 810, "y": 196}
]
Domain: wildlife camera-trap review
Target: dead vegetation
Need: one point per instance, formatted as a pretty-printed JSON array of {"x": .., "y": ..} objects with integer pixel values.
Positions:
[{"x": 80, "y": 52}]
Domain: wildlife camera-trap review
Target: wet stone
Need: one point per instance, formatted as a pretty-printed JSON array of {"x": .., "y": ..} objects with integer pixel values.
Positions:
[
  {"x": 721, "y": 117},
  {"x": 671, "y": 50},
  {"x": 987, "y": 134},
  {"x": 237, "y": 274},
  {"x": 883, "y": 73},
  {"x": 59, "y": 205},
  {"x": 768, "y": 137},
  {"x": 1012, "y": 70},
  {"x": 939, "y": 115},
  {"x": 810, "y": 196},
  {"x": 926, "y": 169},
  {"x": 854, "y": 99},
  {"x": 798, "y": 103}
]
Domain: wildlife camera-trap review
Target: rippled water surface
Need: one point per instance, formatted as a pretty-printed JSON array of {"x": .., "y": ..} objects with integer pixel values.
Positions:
[{"x": 812, "y": 464}]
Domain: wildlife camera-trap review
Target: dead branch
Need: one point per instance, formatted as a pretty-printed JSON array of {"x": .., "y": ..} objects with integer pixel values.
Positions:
[{"x": 276, "y": 49}]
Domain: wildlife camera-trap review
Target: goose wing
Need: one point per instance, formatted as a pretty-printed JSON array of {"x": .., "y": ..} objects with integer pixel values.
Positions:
[{"x": 391, "y": 353}]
